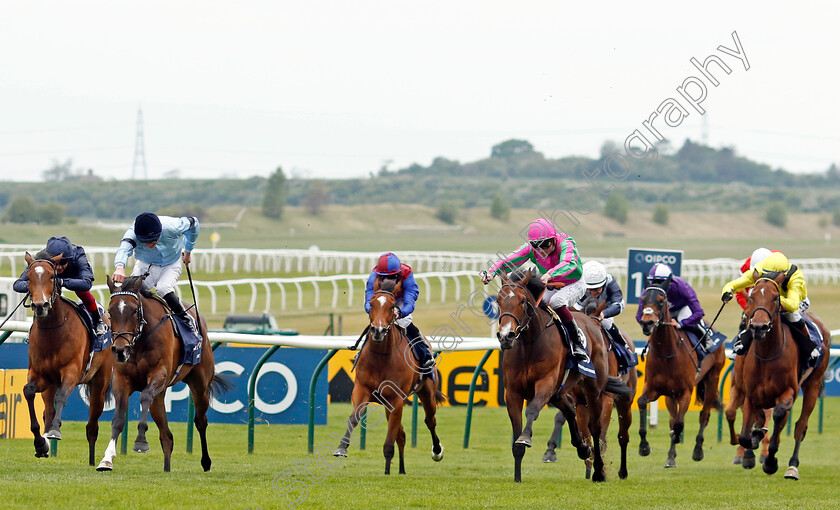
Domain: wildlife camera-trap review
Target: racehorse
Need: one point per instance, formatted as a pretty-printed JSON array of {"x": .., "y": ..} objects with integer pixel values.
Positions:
[
  {"x": 771, "y": 374},
  {"x": 147, "y": 353},
  {"x": 534, "y": 368},
  {"x": 623, "y": 404},
  {"x": 670, "y": 370},
  {"x": 386, "y": 372},
  {"x": 743, "y": 456},
  {"x": 59, "y": 357}
]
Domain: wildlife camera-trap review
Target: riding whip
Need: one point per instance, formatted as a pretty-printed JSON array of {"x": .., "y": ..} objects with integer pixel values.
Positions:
[
  {"x": 192, "y": 289},
  {"x": 703, "y": 339}
]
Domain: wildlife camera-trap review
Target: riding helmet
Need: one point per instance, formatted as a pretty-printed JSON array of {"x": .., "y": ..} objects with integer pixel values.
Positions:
[{"x": 147, "y": 227}]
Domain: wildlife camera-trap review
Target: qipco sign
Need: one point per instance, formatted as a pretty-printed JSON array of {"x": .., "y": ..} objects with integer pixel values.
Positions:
[{"x": 639, "y": 262}]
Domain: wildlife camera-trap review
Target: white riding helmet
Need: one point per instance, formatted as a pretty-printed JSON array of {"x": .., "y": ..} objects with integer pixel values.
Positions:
[
  {"x": 758, "y": 255},
  {"x": 594, "y": 274}
]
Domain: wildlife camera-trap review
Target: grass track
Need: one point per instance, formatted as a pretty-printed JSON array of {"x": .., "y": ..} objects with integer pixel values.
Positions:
[{"x": 481, "y": 476}]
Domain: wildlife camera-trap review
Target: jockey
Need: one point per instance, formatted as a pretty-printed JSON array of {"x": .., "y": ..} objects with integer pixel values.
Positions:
[
  {"x": 793, "y": 298},
  {"x": 556, "y": 256},
  {"x": 73, "y": 272},
  {"x": 757, "y": 256},
  {"x": 158, "y": 242},
  {"x": 600, "y": 283},
  {"x": 389, "y": 267},
  {"x": 686, "y": 312}
]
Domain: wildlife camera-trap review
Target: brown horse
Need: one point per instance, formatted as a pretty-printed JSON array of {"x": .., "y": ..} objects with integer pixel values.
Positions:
[
  {"x": 59, "y": 357},
  {"x": 771, "y": 375},
  {"x": 623, "y": 405},
  {"x": 534, "y": 368},
  {"x": 743, "y": 456},
  {"x": 386, "y": 373},
  {"x": 147, "y": 353},
  {"x": 671, "y": 371}
]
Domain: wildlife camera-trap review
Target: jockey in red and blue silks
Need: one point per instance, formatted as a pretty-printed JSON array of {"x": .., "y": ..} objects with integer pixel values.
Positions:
[
  {"x": 556, "y": 257},
  {"x": 389, "y": 267},
  {"x": 73, "y": 272}
]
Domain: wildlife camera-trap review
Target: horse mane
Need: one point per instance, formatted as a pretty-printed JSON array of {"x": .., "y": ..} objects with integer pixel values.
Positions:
[
  {"x": 43, "y": 255},
  {"x": 387, "y": 285},
  {"x": 132, "y": 284},
  {"x": 534, "y": 285}
]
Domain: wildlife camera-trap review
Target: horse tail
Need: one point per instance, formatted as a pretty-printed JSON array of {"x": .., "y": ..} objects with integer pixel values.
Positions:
[
  {"x": 701, "y": 393},
  {"x": 618, "y": 388},
  {"x": 440, "y": 398},
  {"x": 220, "y": 384}
]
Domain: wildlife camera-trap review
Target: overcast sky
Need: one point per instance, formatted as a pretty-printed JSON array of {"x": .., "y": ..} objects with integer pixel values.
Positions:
[{"x": 334, "y": 89}]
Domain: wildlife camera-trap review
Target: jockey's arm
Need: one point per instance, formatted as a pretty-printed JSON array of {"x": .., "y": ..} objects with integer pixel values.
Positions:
[
  {"x": 796, "y": 292},
  {"x": 410, "y": 294}
]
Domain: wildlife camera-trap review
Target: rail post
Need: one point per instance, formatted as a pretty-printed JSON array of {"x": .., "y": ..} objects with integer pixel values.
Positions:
[
  {"x": 720, "y": 392},
  {"x": 252, "y": 391},
  {"x": 191, "y": 410},
  {"x": 414, "y": 406},
  {"x": 312, "y": 383},
  {"x": 478, "y": 370}
]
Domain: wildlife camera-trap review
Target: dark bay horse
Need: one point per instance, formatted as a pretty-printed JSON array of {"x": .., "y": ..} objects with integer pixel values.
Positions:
[
  {"x": 771, "y": 375},
  {"x": 534, "y": 368},
  {"x": 147, "y": 353},
  {"x": 59, "y": 353},
  {"x": 386, "y": 373},
  {"x": 623, "y": 404},
  {"x": 670, "y": 371},
  {"x": 743, "y": 456}
]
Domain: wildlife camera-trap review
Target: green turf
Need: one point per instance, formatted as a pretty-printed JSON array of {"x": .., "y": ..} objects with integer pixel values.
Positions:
[{"x": 481, "y": 476}]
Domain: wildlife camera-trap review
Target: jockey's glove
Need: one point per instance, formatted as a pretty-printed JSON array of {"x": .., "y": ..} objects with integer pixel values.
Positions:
[{"x": 727, "y": 296}]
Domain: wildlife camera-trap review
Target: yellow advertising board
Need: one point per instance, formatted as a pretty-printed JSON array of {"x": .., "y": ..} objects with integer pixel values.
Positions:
[
  {"x": 14, "y": 413},
  {"x": 456, "y": 371}
]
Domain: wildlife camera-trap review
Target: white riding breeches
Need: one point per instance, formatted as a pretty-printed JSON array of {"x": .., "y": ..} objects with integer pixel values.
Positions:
[
  {"x": 164, "y": 278},
  {"x": 572, "y": 293}
]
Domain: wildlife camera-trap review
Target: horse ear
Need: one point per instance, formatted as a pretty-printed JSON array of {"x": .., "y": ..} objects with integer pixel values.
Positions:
[
  {"x": 28, "y": 258},
  {"x": 527, "y": 277},
  {"x": 504, "y": 277},
  {"x": 111, "y": 286},
  {"x": 57, "y": 258}
]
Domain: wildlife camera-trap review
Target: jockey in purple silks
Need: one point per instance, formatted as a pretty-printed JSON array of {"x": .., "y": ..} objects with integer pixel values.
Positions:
[{"x": 556, "y": 257}]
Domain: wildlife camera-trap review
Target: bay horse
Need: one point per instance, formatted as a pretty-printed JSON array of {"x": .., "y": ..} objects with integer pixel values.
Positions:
[
  {"x": 147, "y": 354},
  {"x": 387, "y": 373},
  {"x": 623, "y": 404},
  {"x": 534, "y": 368},
  {"x": 771, "y": 374},
  {"x": 743, "y": 456},
  {"x": 671, "y": 371},
  {"x": 59, "y": 357}
]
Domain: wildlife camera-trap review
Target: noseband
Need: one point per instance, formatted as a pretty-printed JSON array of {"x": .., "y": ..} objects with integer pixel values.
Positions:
[
  {"x": 523, "y": 322},
  {"x": 132, "y": 336}
]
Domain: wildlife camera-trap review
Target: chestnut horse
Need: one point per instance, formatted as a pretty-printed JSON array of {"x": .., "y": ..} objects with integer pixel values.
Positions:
[
  {"x": 59, "y": 354},
  {"x": 771, "y": 375},
  {"x": 623, "y": 405},
  {"x": 670, "y": 371},
  {"x": 147, "y": 353},
  {"x": 386, "y": 372},
  {"x": 534, "y": 368},
  {"x": 743, "y": 456}
]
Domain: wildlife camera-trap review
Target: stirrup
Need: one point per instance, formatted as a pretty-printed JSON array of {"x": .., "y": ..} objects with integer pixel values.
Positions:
[{"x": 100, "y": 328}]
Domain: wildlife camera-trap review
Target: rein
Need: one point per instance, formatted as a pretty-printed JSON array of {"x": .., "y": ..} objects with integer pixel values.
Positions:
[
  {"x": 773, "y": 316},
  {"x": 660, "y": 317},
  {"x": 523, "y": 323},
  {"x": 56, "y": 292},
  {"x": 132, "y": 336},
  {"x": 390, "y": 324}
]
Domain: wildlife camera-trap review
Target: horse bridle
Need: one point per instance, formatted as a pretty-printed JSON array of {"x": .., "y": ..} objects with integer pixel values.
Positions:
[
  {"x": 132, "y": 336},
  {"x": 523, "y": 323},
  {"x": 55, "y": 292},
  {"x": 390, "y": 324},
  {"x": 660, "y": 315},
  {"x": 778, "y": 301}
]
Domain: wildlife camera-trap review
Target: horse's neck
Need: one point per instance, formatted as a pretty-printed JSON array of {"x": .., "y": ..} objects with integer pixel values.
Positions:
[
  {"x": 537, "y": 324},
  {"x": 774, "y": 342},
  {"x": 665, "y": 337},
  {"x": 58, "y": 314},
  {"x": 389, "y": 345}
]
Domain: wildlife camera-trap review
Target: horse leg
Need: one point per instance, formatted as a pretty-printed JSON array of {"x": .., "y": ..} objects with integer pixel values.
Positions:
[
  {"x": 156, "y": 385},
  {"x": 97, "y": 389},
  {"x": 401, "y": 448},
  {"x": 360, "y": 395},
  {"x": 765, "y": 441},
  {"x": 809, "y": 399},
  {"x": 583, "y": 450},
  {"x": 543, "y": 391},
  {"x": 595, "y": 403},
  {"x": 69, "y": 380},
  {"x": 429, "y": 401},
  {"x": 34, "y": 385},
  {"x": 158, "y": 412},
  {"x": 394, "y": 425},
  {"x": 201, "y": 398},
  {"x": 677, "y": 408},
  {"x": 644, "y": 399},
  {"x": 514, "y": 401},
  {"x": 117, "y": 423},
  {"x": 780, "y": 413},
  {"x": 582, "y": 415},
  {"x": 736, "y": 400},
  {"x": 550, "y": 455},
  {"x": 705, "y": 413},
  {"x": 625, "y": 419}
]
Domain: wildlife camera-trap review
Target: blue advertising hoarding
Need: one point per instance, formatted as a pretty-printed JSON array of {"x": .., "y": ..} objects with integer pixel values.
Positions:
[
  {"x": 639, "y": 262},
  {"x": 281, "y": 392}
]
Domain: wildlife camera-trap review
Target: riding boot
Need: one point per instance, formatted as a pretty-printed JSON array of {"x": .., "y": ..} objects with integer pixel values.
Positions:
[
  {"x": 418, "y": 347},
  {"x": 632, "y": 360},
  {"x": 99, "y": 326},
  {"x": 805, "y": 342},
  {"x": 741, "y": 342},
  {"x": 177, "y": 308},
  {"x": 576, "y": 342}
]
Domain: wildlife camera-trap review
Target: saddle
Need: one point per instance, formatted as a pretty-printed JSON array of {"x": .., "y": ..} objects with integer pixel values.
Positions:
[
  {"x": 191, "y": 343},
  {"x": 97, "y": 344}
]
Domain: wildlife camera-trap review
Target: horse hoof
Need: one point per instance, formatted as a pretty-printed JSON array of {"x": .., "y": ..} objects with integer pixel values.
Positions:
[
  {"x": 792, "y": 473},
  {"x": 749, "y": 460},
  {"x": 762, "y": 458},
  {"x": 549, "y": 456},
  {"x": 524, "y": 440},
  {"x": 599, "y": 477},
  {"x": 43, "y": 451},
  {"x": 622, "y": 474},
  {"x": 738, "y": 460},
  {"x": 437, "y": 457},
  {"x": 340, "y": 452},
  {"x": 589, "y": 472},
  {"x": 140, "y": 447},
  {"x": 105, "y": 465},
  {"x": 697, "y": 455},
  {"x": 584, "y": 452},
  {"x": 670, "y": 463},
  {"x": 644, "y": 450},
  {"x": 53, "y": 434},
  {"x": 771, "y": 465}
]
